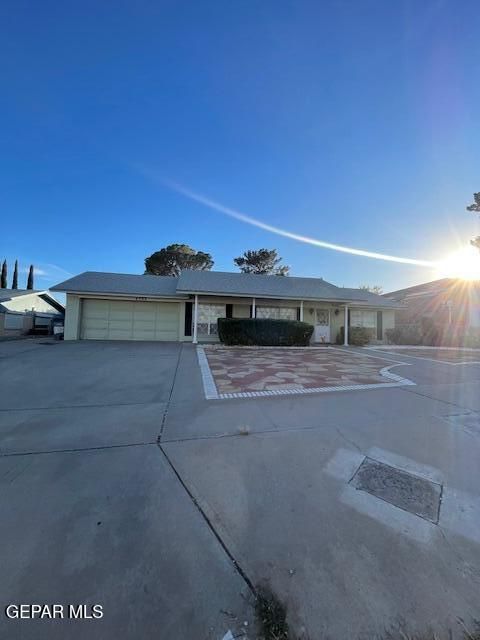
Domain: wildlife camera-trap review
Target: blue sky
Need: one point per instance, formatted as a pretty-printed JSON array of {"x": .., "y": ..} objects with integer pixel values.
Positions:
[{"x": 354, "y": 122}]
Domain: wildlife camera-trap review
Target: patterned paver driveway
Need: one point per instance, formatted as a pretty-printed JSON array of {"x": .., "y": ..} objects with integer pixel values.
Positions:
[{"x": 259, "y": 371}]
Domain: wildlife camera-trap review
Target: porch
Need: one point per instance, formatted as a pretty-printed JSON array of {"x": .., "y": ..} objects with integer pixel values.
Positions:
[{"x": 327, "y": 318}]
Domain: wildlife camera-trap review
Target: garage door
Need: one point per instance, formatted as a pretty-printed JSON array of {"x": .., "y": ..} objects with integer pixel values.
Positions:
[{"x": 115, "y": 320}]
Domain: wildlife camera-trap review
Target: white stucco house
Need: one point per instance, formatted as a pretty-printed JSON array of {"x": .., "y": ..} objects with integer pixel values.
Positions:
[
  {"x": 23, "y": 309},
  {"x": 113, "y": 306}
]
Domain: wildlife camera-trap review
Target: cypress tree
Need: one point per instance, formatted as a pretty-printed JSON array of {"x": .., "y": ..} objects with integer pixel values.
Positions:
[
  {"x": 3, "y": 278},
  {"x": 30, "y": 278},
  {"x": 15, "y": 276}
]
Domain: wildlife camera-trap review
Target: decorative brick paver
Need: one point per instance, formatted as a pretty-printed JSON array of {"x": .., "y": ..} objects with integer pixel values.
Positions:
[{"x": 253, "y": 370}]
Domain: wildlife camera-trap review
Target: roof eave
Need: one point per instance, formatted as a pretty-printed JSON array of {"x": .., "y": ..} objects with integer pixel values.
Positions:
[
  {"x": 169, "y": 296},
  {"x": 363, "y": 303},
  {"x": 184, "y": 295},
  {"x": 25, "y": 294},
  {"x": 53, "y": 302}
]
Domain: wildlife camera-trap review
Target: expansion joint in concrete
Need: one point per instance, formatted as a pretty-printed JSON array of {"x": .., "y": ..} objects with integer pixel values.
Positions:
[
  {"x": 242, "y": 573},
  {"x": 75, "y": 449},
  {"x": 425, "y": 395},
  {"x": 167, "y": 404}
]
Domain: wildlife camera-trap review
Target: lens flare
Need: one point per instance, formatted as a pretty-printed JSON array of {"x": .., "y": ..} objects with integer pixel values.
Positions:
[{"x": 463, "y": 263}]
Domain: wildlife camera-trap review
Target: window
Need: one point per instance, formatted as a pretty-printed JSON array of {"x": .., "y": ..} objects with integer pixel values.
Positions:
[
  {"x": 379, "y": 325},
  {"x": 322, "y": 317},
  {"x": 367, "y": 319},
  {"x": 277, "y": 313},
  {"x": 188, "y": 318},
  {"x": 208, "y": 315}
]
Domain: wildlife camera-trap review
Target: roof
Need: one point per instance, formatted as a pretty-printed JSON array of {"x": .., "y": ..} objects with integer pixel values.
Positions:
[
  {"x": 218, "y": 283},
  {"x": 369, "y": 297},
  {"x": 254, "y": 285},
  {"x": 434, "y": 287},
  {"x": 10, "y": 294},
  {"x": 120, "y": 283},
  {"x": 290, "y": 287}
]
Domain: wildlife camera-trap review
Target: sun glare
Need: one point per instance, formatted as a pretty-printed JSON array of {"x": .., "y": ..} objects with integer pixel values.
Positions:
[{"x": 464, "y": 263}]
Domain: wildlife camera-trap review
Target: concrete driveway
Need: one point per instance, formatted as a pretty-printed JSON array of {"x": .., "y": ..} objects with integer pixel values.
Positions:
[
  {"x": 171, "y": 536},
  {"x": 92, "y": 511}
]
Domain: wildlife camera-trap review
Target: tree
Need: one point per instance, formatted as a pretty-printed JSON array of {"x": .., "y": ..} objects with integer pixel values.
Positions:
[
  {"x": 376, "y": 288},
  {"x": 172, "y": 260},
  {"x": 3, "y": 278},
  {"x": 30, "y": 278},
  {"x": 15, "y": 276},
  {"x": 261, "y": 261},
  {"x": 475, "y": 207}
]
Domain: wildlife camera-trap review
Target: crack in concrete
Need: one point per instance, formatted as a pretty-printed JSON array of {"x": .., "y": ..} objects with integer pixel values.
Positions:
[
  {"x": 77, "y": 449},
  {"x": 237, "y": 434},
  {"x": 167, "y": 405},
  {"x": 84, "y": 406},
  {"x": 12, "y": 474},
  {"x": 241, "y": 572},
  {"x": 424, "y": 395},
  {"x": 209, "y": 523},
  {"x": 348, "y": 440}
]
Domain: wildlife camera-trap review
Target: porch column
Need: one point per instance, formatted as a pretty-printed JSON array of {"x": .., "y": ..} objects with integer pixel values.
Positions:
[
  {"x": 449, "y": 304},
  {"x": 195, "y": 319},
  {"x": 301, "y": 310},
  {"x": 254, "y": 308},
  {"x": 345, "y": 342}
]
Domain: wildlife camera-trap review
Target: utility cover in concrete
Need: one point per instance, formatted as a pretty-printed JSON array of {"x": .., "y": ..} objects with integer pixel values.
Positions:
[{"x": 402, "y": 489}]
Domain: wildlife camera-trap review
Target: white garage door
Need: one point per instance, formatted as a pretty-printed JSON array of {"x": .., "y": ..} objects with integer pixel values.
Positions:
[{"x": 115, "y": 320}]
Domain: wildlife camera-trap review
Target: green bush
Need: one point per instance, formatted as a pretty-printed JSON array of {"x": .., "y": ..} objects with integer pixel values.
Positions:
[
  {"x": 265, "y": 332},
  {"x": 357, "y": 336}
]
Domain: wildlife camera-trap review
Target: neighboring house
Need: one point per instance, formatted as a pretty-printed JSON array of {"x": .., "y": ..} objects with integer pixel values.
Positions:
[
  {"x": 111, "y": 306},
  {"x": 22, "y": 310},
  {"x": 449, "y": 301}
]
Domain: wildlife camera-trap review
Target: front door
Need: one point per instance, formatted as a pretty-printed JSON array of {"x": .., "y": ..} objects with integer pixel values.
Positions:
[{"x": 322, "y": 325}]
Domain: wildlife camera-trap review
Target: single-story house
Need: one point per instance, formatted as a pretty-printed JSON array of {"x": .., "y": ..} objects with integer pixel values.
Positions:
[
  {"x": 449, "y": 301},
  {"x": 22, "y": 310},
  {"x": 113, "y": 306}
]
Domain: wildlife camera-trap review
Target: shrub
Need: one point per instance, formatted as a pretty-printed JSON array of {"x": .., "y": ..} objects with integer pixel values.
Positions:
[
  {"x": 472, "y": 338},
  {"x": 453, "y": 336},
  {"x": 357, "y": 336},
  {"x": 426, "y": 333},
  {"x": 431, "y": 332},
  {"x": 262, "y": 331},
  {"x": 408, "y": 334}
]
